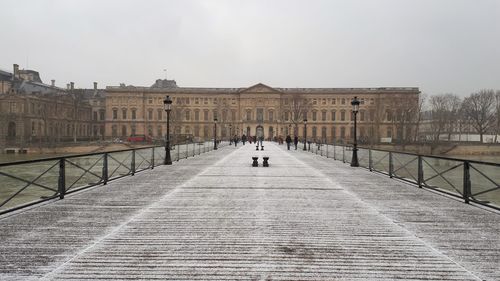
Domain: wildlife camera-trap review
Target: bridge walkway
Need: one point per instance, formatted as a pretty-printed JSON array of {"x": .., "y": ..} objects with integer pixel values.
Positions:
[{"x": 214, "y": 217}]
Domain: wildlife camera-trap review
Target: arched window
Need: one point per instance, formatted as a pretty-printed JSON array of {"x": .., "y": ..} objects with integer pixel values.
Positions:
[
  {"x": 323, "y": 133},
  {"x": 314, "y": 132},
  {"x": 188, "y": 115},
  {"x": 271, "y": 132},
  {"x": 11, "y": 132}
]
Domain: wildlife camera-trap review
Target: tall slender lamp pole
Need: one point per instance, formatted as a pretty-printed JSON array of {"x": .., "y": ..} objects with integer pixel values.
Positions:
[
  {"x": 305, "y": 133},
  {"x": 355, "y": 109},
  {"x": 167, "y": 104},
  {"x": 215, "y": 133}
]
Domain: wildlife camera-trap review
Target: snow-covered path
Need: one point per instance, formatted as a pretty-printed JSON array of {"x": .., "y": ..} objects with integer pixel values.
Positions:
[{"x": 214, "y": 217}]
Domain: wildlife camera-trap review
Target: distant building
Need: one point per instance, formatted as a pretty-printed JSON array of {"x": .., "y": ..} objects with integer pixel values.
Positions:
[
  {"x": 34, "y": 113},
  {"x": 261, "y": 110}
]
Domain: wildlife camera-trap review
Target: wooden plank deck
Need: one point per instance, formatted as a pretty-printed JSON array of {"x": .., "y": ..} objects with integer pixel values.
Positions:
[{"x": 214, "y": 217}]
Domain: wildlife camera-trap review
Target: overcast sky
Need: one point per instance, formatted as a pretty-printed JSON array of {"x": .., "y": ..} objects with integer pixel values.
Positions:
[{"x": 441, "y": 46}]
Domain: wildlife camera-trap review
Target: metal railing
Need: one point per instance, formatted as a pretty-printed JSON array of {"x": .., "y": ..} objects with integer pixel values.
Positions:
[
  {"x": 470, "y": 180},
  {"x": 25, "y": 183}
]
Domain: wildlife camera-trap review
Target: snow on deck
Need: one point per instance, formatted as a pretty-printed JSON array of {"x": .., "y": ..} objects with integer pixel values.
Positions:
[{"x": 214, "y": 217}]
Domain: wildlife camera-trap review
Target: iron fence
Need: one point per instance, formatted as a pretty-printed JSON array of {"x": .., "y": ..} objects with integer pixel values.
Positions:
[
  {"x": 470, "y": 180},
  {"x": 25, "y": 183}
]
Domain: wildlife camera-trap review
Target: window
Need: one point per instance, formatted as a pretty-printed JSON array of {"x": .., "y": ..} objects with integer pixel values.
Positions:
[
  {"x": 323, "y": 115},
  {"x": 150, "y": 117},
  {"x": 134, "y": 114},
  {"x": 187, "y": 115},
  {"x": 150, "y": 101},
  {"x": 159, "y": 131},
  {"x": 285, "y": 116},
  {"x": 342, "y": 132},
  {"x": 389, "y": 132},
  {"x": 160, "y": 113},
  {"x": 124, "y": 113},
  {"x": 372, "y": 114},
  {"x": 314, "y": 115},
  {"x": 334, "y": 115},
  {"x": 334, "y": 101},
  {"x": 249, "y": 115},
  {"x": 196, "y": 101},
  {"x": 334, "y": 133},
  {"x": 13, "y": 107},
  {"x": 323, "y": 101},
  {"x": 94, "y": 116},
  {"x": 196, "y": 115},
  {"x": 323, "y": 133},
  {"x": 314, "y": 132},
  {"x": 124, "y": 131},
  {"x": 315, "y": 102},
  {"x": 233, "y": 115},
  {"x": 342, "y": 115},
  {"x": 362, "y": 115},
  {"x": 389, "y": 115},
  {"x": 271, "y": 116},
  {"x": 216, "y": 115},
  {"x": 133, "y": 130},
  {"x": 343, "y": 101},
  {"x": 101, "y": 114},
  {"x": 205, "y": 115},
  {"x": 115, "y": 113},
  {"x": 260, "y": 114}
]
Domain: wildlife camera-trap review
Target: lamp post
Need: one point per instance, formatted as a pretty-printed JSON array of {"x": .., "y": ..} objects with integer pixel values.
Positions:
[
  {"x": 305, "y": 133},
  {"x": 167, "y": 105},
  {"x": 215, "y": 133},
  {"x": 355, "y": 109}
]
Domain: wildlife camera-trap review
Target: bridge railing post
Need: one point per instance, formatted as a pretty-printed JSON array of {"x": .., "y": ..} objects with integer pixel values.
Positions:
[
  {"x": 391, "y": 166},
  {"x": 152, "y": 158},
  {"x": 334, "y": 152},
  {"x": 61, "y": 183},
  {"x": 132, "y": 163},
  {"x": 105, "y": 168},
  {"x": 370, "y": 160},
  {"x": 178, "y": 152},
  {"x": 327, "y": 150},
  {"x": 420, "y": 178},
  {"x": 467, "y": 183}
]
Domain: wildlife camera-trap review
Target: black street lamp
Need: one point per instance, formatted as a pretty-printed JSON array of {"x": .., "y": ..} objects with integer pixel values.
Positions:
[
  {"x": 305, "y": 133},
  {"x": 355, "y": 109},
  {"x": 167, "y": 105},
  {"x": 215, "y": 133}
]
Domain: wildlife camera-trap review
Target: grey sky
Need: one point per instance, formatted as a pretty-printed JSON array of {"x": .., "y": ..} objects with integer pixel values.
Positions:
[{"x": 437, "y": 45}]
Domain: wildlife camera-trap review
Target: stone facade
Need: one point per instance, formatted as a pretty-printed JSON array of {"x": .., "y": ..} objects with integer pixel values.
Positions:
[
  {"x": 33, "y": 113},
  {"x": 385, "y": 113}
]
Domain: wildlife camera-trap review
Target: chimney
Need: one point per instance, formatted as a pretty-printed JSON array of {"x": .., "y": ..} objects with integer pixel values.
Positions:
[
  {"x": 95, "y": 86},
  {"x": 53, "y": 82},
  {"x": 16, "y": 71},
  {"x": 72, "y": 85},
  {"x": 67, "y": 86}
]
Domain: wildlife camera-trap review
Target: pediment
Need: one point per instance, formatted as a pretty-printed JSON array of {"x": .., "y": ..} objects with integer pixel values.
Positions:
[{"x": 259, "y": 88}]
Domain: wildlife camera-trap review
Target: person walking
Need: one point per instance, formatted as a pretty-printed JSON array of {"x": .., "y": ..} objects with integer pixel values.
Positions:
[
  {"x": 243, "y": 139},
  {"x": 235, "y": 139},
  {"x": 288, "y": 141},
  {"x": 296, "y": 141}
]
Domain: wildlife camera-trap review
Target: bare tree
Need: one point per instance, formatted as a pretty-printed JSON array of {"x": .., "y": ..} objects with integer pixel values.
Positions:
[
  {"x": 479, "y": 107},
  {"x": 297, "y": 108},
  {"x": 445, "y": 110},
  {"x": 421, "y": 101},
  {"x": 405, "y": 118}
]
